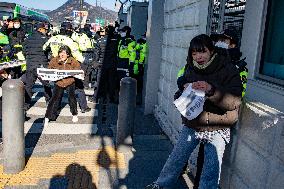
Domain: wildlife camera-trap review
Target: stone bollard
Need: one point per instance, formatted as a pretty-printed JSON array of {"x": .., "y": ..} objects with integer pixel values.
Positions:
[
  {"x": 126, "y": 111},
  {"x": 13, "y": 126}
]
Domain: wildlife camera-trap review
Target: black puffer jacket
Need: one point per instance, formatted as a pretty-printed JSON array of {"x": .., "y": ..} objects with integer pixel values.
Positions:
[
  {"x": 17, "y": 37},
  {"x": 32, "y": 49},
  {"x": 221, "y": 109}
]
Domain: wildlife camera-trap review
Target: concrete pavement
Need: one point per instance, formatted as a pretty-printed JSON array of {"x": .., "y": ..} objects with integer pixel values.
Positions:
[{"x": 83, "y": 155}]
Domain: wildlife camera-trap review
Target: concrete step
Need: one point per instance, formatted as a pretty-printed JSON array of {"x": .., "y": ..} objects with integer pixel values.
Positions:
[
  {"x": 40, "y": 111},
  {"x": 39, "y": 88}
]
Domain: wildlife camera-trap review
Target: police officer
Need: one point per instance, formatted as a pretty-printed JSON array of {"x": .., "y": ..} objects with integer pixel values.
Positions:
[
  {"x": 4, "y": 48},
  {"x": 35, "y": 58},
  {"x": 64, "y": 38},
  {"x": 106, "y": 59},
  {"x": 4, "y": 43},
  {"x": 7, "y": 27},
  {"x": 84, "y": 40},
  {"x": 229, "y": 41},
  {"x": 125, "y": 46},
  {"x": 16, "y": 38}
]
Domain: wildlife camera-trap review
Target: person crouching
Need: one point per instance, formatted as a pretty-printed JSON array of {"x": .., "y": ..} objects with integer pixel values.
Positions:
[{"x": 63, "y": 61}]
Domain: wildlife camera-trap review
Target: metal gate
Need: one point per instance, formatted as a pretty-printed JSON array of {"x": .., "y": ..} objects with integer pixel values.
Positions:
[{"x": 225, "y": 14}]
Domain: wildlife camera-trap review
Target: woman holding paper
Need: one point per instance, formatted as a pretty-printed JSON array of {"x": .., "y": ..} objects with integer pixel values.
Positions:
[
  {"x": 215, "y": 76},
  {"x": 63, "y": 61}
]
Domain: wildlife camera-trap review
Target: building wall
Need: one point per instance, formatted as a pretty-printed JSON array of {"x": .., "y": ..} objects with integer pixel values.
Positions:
[
  {"x": 183, "y": 19},
  {"x": 155, "y": 27},
  {"x": 137, "y": 18},
  {"x": 256, "y": 159}
]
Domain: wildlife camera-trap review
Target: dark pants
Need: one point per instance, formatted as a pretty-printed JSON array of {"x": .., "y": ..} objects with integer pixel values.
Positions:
[
  {"x": 29, "y": 80},
  {"x": 87, "y": 68},
  {"x": 55, "y": 101},
  {"x": 96, "y": 92},
  {"x": 124, "y": 64},
  {"x": 106, "y": 86},
  {"x": 15, "y": 72},
  {"x": 81, "y": 94},
  {"x": 140, "y": 78}
]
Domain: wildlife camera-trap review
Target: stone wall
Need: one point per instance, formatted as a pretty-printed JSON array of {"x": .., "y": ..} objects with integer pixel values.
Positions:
[{"x": 256, "y": 159}]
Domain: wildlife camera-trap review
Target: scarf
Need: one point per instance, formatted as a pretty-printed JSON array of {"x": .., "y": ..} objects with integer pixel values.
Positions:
[{"x": 203, "y": 66}]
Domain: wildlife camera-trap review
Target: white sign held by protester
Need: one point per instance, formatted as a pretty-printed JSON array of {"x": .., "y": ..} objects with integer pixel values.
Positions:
[
  {"x": 11, "y": 64},
  {"x": 190, "y": 103},
  {"x": 55, "y": 74}
]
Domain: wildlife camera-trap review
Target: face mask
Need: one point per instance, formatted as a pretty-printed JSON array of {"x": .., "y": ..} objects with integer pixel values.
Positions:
[
  {"x": 123, "y": 34},
  {"x": 17, "y": 26},
  {"x": 222, "y": 44}
]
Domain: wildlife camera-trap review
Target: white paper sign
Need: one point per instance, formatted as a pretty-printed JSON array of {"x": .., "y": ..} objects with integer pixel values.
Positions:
[
  {"x": 190, "y": 103},
  {"x": 11, "y": 64},
  {"x": 55, "y": 74}
]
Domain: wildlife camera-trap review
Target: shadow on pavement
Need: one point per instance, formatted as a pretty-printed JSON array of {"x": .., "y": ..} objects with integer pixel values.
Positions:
[
  {"x": 76, "y": 177},
  {"x": 151, "y": 150},
  {"x": 32, "y": 137}
]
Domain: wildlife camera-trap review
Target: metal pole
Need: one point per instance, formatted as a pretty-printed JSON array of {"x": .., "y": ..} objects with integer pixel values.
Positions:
[
  {"x": 221, "y": 18},
  {"x": 13, "y": 126},
  {"x": 126, "y": 110}
]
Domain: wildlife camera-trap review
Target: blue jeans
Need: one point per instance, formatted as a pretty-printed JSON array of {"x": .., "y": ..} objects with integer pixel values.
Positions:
[{"x": 213, "y": 154}]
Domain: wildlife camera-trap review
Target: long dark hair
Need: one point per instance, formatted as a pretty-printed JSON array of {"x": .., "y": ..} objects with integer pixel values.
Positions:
[{"x": 198, "y": 44}]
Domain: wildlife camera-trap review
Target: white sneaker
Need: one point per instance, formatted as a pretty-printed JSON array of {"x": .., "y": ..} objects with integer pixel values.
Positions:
[
  {"x": 75, "y": 119},
  {"x": 45, "y": 122}
]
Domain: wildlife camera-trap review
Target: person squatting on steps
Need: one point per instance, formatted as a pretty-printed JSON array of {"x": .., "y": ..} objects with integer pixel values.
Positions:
[{"x": 64, "y": 61}]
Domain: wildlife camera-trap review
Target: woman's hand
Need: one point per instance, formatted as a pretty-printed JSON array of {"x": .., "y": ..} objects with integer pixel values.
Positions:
[
  {"x": 185, "y": 86},
  {"x": 202, "y": 86}
]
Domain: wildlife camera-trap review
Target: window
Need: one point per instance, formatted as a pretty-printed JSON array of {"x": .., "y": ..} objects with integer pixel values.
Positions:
[{"x": 272, "y": 58}]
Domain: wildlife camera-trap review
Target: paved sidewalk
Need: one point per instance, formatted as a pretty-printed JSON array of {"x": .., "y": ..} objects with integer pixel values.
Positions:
[{"x": 58, "y": 161}]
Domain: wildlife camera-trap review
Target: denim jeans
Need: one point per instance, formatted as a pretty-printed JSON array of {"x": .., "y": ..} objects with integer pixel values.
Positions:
[
  {"x": 81, "y": 94},
  {"x": 213, "y": 154}
]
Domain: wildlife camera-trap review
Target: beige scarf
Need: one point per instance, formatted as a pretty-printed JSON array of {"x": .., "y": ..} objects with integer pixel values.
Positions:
[{"x": 203, "y": 66}]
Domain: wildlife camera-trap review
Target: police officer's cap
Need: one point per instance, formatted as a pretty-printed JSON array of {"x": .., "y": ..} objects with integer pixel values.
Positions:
[
  {"x": 66, "y": 25},
  {"x": 232, "y": 34}
]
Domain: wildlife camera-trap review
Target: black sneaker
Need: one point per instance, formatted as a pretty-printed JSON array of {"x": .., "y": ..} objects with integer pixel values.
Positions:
[
  {"x": 86, "y": 110},
  {"x": 153, "y": 186}
]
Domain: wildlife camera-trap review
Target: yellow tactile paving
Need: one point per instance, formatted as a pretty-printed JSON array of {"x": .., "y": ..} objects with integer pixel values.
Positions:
[
  {"x": 81, "y": 167},
  {"x": 106, "y": 157}
]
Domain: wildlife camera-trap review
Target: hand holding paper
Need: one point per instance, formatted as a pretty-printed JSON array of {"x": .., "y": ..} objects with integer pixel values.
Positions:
[{"x": 190, "y": 103}]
